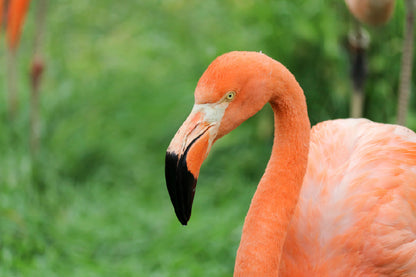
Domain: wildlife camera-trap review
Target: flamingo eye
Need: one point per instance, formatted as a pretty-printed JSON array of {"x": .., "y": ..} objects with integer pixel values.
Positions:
[{"x": 230, "y": 95}]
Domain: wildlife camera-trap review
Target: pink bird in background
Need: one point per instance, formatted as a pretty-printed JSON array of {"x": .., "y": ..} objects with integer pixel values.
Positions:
[
  {"x": 337, "y": 200},
  {"x": 376, "y": 13},
  {"x": 12, "y": 17},
  {"x": 372, "y": 12}
]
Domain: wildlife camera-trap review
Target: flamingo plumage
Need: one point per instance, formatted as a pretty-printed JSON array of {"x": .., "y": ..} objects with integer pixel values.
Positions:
[
  {"x": 372, "y": 12},
  {"x": 337, "y": 200}
]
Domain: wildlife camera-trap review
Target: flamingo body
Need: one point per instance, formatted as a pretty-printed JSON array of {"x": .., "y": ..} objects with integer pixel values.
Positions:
[
  {"x": 337, "y": 200},
  {"x": 372, "y": 12},
  {"x": 16, "y": 15},
  {"x": 356, "y": 214}
]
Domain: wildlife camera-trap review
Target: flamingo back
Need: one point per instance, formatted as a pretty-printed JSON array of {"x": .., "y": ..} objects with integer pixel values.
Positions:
[{"x": 357, "y": 208}]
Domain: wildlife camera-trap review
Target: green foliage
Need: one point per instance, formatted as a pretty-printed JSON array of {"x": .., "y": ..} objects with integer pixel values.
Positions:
[{"x": 118, "y": 83}]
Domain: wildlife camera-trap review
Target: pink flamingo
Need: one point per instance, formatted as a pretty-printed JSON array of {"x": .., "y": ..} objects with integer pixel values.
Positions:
[
  {"x": 371, "y": 12},
  {"x": 378, "y": 12},
  {"x": 337, "y": 200}
]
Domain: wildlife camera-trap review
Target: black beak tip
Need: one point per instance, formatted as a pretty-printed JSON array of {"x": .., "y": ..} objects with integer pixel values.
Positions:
[
  {"x": 181, "y": 186},
  {"x": 184, "y": 222}
]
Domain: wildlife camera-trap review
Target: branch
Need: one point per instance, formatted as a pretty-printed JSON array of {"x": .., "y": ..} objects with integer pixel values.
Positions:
[{"x": 407, "y": 58}]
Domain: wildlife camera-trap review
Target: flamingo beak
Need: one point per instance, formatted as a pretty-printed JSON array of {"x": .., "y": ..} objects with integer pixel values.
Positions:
[{"x": 185, "y": 155}]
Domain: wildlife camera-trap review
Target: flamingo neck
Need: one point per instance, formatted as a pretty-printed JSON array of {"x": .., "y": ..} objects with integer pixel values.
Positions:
[{"x": 275, "y": 200}]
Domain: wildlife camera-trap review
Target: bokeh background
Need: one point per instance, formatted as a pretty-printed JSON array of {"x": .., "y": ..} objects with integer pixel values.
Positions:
[{"x": 119, "y": 82}]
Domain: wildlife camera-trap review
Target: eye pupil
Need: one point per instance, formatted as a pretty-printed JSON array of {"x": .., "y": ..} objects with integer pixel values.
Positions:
[{"x": 230, "y": 95}]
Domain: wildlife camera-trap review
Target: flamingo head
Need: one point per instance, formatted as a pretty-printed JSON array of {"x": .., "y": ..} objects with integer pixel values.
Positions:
[{"x": 233, "y": 88}]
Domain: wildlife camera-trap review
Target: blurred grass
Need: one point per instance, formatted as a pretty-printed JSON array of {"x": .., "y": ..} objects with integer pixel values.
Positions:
[{"x": 118, "y": 84}]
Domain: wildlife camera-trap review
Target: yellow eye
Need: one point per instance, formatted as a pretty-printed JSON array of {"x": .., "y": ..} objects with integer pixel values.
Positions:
[{"x": 230, "y": 95}]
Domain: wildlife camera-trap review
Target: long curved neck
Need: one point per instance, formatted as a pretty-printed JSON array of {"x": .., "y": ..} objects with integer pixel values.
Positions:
[
  {"x": 373, "y": 12},
  {"x": 275, "y": 200}
]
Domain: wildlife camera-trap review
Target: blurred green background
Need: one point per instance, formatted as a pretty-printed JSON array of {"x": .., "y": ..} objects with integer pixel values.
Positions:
[{"x": 119, "y": 82}]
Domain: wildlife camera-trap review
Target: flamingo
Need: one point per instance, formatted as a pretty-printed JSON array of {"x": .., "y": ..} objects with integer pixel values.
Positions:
[
  {"x": 371, "y": 12},
  {"x": 337, "y": 200},
  {"x": 16, "y": 13},
  {"x": 378, "y": 12}
]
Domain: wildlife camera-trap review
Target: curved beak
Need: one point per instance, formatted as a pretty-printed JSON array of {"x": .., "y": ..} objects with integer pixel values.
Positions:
[{"x": 185, "y": 155}]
